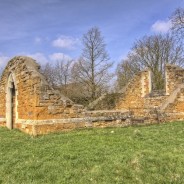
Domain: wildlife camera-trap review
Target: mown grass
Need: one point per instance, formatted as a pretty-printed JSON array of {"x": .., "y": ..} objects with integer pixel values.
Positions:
[{"x": 149, "y": 154}]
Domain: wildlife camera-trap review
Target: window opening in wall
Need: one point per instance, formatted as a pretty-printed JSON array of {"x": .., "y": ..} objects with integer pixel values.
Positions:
[
  {"x": 158, "y": 82},
  {"x": 13, "y": 104}
]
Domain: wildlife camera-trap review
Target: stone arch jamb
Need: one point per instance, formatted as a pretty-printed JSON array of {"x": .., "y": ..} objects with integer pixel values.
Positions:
[{"x": 11, "y": 87}]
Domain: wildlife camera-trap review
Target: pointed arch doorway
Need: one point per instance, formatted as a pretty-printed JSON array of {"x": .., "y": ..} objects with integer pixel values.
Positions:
[{"x": 11, "y": 103}]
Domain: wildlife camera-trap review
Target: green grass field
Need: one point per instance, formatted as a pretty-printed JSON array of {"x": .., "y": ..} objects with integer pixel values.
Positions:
[{"x": 144, "y": 154}]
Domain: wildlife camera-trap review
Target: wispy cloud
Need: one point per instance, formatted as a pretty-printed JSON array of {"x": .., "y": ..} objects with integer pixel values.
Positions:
[
  {"x": 65, "y": 42},
  {"x": 59, "y": 57},
  {"x": 39, "y": 57},
  {"x": 161, "y": 26},
  {"x": 42, "y": 59}
]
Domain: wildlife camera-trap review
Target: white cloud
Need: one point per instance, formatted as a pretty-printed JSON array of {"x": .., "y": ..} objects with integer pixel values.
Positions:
[
  {"x": 65, "y": 42},
  {"x": 59, "y": 57},
  {"x": 53, "y": 58},
  {"x": 39, "y": 57},
  {"x": 161, "y": 26}
]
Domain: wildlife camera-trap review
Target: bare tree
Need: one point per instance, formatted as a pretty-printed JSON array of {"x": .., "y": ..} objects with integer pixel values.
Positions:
[
  {"x": 92, "y": 68},
  {"x": 63, "y": 74},
  {"x": 58, "y": 74},
  {"x": 125, "y": 71},
  {"x": 177, "y": 20},
  {"x": 48, "y": 71},
  {"x": 154, "y": 52}
]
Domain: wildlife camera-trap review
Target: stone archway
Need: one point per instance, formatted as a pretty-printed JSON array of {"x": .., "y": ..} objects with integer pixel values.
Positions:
[{"x": 11, "y": 102}]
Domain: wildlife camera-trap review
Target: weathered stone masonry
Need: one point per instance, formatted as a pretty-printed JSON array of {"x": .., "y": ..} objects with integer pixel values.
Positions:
[
  {"x": 138, "y": 96},
  {"x": 28, "y": 103}
]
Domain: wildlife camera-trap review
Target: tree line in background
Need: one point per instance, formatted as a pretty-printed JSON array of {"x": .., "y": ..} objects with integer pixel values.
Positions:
[
  {"x": 154, "y": 52},
  {"x": 89, "y": 77},
  {"x": 151, "y": 52}
]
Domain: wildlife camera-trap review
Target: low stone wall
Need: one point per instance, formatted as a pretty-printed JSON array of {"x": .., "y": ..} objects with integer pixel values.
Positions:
[
  {"x": 2, "y": 124},
  {"x": 90, "y": 119},
  {"x": 38, "y": 128},
  {"x": 174, "y": 116},
  {"x": 152, "y": 102}
]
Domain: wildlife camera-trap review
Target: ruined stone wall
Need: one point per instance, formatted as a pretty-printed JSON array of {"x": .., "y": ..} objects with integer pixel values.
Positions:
[
  {"x": 153, "y": 102},
  {"x": 35, "y": 98},
  {"x": 174, "y": 77},
  {"x": 91, "y": 119},
  {"x": 173, "y": 106},
  {"x": 133, "y": 94},
  {"x": 138, "y": 95},
  {"x": 39, "y": 109},
  {"x": 175, "y": 109}
]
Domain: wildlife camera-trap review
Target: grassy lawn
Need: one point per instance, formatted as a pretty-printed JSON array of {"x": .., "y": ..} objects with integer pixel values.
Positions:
[{"x": 149, "y": 154}]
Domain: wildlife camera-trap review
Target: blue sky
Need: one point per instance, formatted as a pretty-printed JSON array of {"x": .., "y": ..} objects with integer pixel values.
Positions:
[{"x": 49, "y": 30}]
